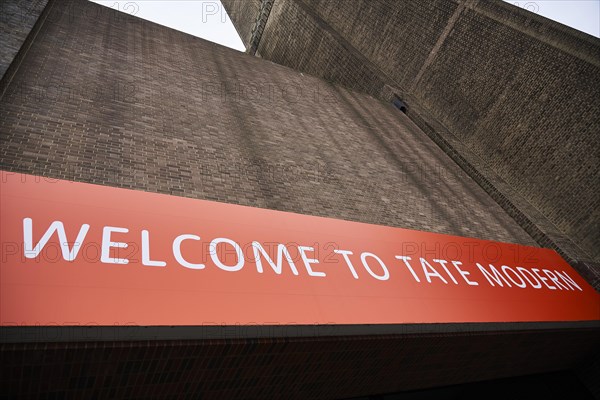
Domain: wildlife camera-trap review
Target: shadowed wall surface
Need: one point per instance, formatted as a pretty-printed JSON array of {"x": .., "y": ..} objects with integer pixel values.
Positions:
[
  {"x": 291, "y": 368},
  {"x": 518, "y": 90},
  {"x": 17, "y": 17},
  {"x": 99, "y": 99}
]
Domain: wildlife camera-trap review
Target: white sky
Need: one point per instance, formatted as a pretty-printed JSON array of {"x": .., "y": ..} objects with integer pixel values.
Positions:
[
  {"x": 208, "y": 19},
  {"x": 583, "y": 15},
  {"x": 203, "y": 18}
]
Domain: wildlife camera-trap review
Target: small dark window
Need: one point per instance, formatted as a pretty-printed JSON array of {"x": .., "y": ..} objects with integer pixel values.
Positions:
[{"x": 399, "y": 104}]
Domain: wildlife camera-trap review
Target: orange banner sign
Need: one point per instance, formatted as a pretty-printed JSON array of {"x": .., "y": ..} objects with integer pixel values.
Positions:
[{"x": 75, "y": 254}]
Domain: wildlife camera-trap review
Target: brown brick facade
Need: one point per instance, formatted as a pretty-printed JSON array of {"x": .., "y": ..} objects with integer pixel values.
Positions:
[
  {"x": 518, "y": 90},
  {"x": 99, "y": 99},
  {"x": 16, "y": 20}
]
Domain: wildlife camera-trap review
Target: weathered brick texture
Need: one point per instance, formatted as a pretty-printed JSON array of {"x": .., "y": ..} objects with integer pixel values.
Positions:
[
  {"x": 98, "y": 98},
  {"x": 17, "y": 17},
  {"x": 520, "y": 91}
]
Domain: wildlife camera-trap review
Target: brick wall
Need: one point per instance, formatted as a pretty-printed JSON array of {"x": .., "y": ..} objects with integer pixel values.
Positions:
[
  {"x": 17, "y": 17},
  {"x": 326, "y": 47},
  {"x": 98, "y": 98},
  {"x": 517, "y": 89},
  {"x": 293, "y": 368},
  {"x": 530, "y": 109},
  {"x": 244, "y": 13},
  {"x": 396, "y": 36}
]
